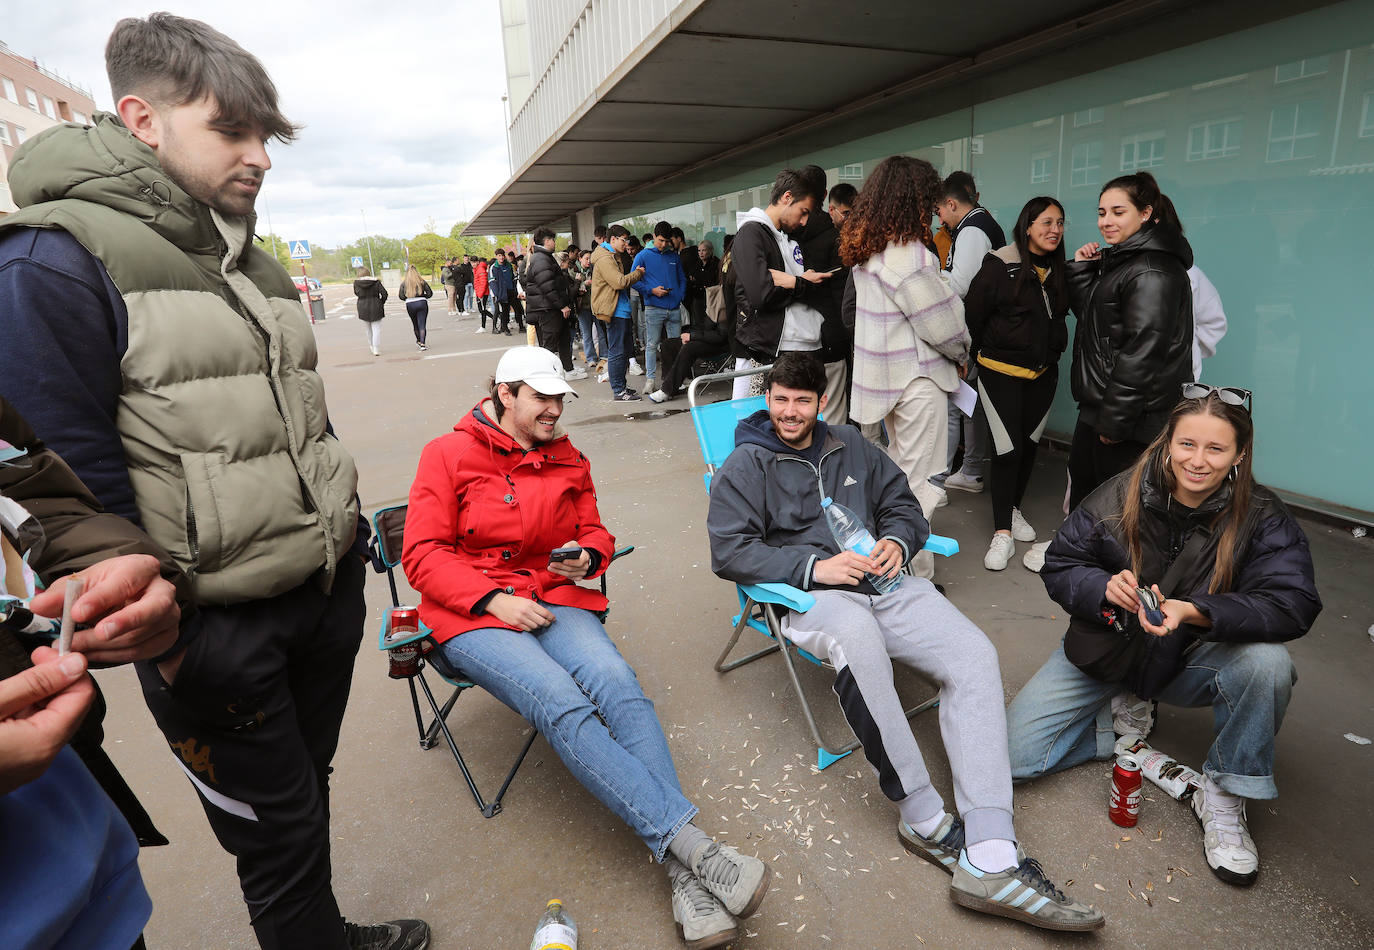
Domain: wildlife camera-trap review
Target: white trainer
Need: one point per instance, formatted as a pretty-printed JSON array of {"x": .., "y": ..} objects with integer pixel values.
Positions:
[
  {"x": 635, "y": 368},
  {"x": 1034, "y": 559},
  {"x": 1231, "y": 852},
  {"x": 971, "y": 483},
  {"x": 658, "y": 395},
  {"x": 1132, "y": 716},
  {"x": 1021, "y": 529},
  {"x": 576, "y": 373},
  {"x": 999, "y": 552}
]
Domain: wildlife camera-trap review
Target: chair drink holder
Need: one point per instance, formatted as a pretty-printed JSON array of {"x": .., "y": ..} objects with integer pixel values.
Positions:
[
  {"x": 385, "y": 548},
  {"x": 761, "y": 604}
]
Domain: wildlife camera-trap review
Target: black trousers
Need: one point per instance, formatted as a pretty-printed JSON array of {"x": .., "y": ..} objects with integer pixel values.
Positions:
[
  {"x": 555, "y": 334},
  {"x": 253, "y": 718},
  {"x": 518, "y": 305},
  {"x": 1091, "y": 462},
  {"x": 500, "y": 322},
  {"x": 1016, "y": 411},
  {"x": 681, "y": 369},
  {"x": 418, "y": 311}
]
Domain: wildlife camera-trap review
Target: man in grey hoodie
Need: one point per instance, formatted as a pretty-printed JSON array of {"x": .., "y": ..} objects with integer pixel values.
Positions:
[{"x": 766, "y": 524}]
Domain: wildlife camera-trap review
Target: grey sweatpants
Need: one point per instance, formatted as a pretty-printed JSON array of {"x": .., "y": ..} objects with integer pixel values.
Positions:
[{"x": 862, "y": 635}]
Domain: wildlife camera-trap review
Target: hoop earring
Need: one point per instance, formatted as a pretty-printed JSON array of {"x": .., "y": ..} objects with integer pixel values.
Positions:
[{"x": 1234, "y": 470}]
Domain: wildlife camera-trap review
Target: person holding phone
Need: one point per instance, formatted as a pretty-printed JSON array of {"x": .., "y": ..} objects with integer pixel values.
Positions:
[
  {"x": 1233, "y": 577},
  {"x": 487, "y": 548}
]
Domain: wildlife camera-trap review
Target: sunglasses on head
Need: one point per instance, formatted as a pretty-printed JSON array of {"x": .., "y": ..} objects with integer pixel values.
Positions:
[{"x": 1231, "y": 395}]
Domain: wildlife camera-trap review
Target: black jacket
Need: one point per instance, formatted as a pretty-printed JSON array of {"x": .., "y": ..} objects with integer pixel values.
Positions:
[
  {"x": 761, "y": 306},
  {"x": 1013, "y": 322},
  {"x": 371, "y": 298},
  {"x": 546, "y": 287},
  {"x": 462, "y": 274},
  {"x": 820, "y": 244},
  {"x": 425, "y": 293},
  {"x": 1273, "y": 595},
  {"x": 1134, "y": 345}
]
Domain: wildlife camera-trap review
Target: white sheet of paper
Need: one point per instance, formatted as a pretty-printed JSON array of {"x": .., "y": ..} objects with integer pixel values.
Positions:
[{"x": 965, "y": 398}]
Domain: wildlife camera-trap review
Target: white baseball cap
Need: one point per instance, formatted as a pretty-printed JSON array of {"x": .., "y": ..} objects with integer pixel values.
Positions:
[{"x": 535, "y": 367}]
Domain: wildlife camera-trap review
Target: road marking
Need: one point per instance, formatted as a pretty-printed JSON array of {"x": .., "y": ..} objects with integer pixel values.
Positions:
[{"x": 444, "y": 356}]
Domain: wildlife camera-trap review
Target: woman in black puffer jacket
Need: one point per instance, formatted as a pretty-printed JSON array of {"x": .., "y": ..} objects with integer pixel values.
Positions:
[
  {"x": 1133, "y": 347},
  {"x": 1015, "y": 309},
  {"x": 1237, "y": 582}
]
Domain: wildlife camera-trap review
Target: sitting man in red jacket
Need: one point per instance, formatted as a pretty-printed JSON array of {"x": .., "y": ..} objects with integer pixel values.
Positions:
[{"x": 491, "y": 502}]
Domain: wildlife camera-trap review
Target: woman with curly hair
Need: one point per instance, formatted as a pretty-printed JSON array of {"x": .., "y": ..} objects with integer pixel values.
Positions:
[{"x": 909, "y": 333}]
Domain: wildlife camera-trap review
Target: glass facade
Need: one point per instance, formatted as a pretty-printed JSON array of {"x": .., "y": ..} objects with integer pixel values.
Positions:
[{"x": 1263, "y": 138}]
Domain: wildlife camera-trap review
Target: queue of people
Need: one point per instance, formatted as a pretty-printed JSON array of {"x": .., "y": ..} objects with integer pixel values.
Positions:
[{"x": 223, "y": 554}]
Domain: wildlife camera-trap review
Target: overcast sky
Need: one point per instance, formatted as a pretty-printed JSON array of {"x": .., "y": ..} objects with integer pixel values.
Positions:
[{"x": 401, "y": 102}]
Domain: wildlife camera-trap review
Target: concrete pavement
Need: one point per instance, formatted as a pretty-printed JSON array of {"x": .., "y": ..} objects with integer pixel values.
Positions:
[{"x": 409, "y": 841}]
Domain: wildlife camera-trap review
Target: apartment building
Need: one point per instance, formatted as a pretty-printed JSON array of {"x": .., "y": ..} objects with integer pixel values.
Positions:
[{"x": 32, "y": 99}]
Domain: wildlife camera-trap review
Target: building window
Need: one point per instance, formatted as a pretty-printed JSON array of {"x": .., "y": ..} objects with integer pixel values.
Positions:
[
  {"x": 1302, "y": 69},
  {"x": 1293, "y": 131},
  {"x": 78, "y": 117},
  {"x": 32, "y": 97},
  {"x": 1086, "y": 167},
  {"x": 20, "y": 136},
  {"x": 1219, "y": 138},
  {"x": 1145, "y": 150},
  {"x": 11, "y": 93},
  {"x": 852, "y": 172},
  {"x": 49, "y": 107},
  {"x": 1042, "y": 168},
  {"x": 1367, "y": 117},
  {"x": 1088, "y": 116},
  {"x": 5, "y": 134}
]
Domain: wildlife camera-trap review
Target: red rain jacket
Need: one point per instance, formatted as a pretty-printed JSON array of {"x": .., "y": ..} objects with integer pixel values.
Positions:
[
  {"x": 484, "y": 515},
  {"x": 479, "y": 278}
]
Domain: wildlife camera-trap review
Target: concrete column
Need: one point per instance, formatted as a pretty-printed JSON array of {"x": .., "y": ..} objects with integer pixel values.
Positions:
[{"x": 583, "y": 223}]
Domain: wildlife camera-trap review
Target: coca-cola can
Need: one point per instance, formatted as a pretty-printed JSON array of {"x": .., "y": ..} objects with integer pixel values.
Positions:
[
  {"x": 1124, "y": 806},
  {"x": 404, "y": 658}
]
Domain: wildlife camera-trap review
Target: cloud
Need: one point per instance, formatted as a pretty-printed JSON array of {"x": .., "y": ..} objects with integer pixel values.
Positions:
[{"x": 402, "y": 111}]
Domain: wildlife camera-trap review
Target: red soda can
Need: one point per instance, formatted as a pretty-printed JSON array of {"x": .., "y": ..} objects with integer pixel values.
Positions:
[
  {"x": 1124, "y": 807},
  {"x": 404, "y": 659}
]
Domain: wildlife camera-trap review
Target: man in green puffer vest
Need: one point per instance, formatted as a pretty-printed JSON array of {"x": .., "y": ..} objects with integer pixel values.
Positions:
[{"x": 171, "y": 363}]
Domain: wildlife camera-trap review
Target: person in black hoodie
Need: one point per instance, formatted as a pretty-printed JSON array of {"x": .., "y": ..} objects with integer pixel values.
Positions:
[
  {"x": 1134, "y": 343},
  {"x": 1015, "y": 310},
  {"x": 1233, "y": 574},
  {"x": 820, "y": 246},
  {"x": 371, "y": 297}
]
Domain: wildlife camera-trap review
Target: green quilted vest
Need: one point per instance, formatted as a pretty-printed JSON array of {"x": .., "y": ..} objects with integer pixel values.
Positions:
[{"x": 222, "y": 413}]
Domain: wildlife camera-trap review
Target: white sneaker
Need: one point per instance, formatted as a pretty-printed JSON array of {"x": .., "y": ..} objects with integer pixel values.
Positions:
[
  {"x": 479, "y": 330},
  {"x": 658, "y": 395},
  {"x": 375, "y": 351},
  {"x": 1231, "y": 852},
  {"x": 1034, "y": 559},
  {"x": 577, "y": 373},
  {"x": 942, "y": 499},
  {"x": 636, "y": 369},
  {"x": 1132, "y": 716},
  {"x": 999, "y": 552},
  {"x": 972, "y": 483},
  {"x": 1020, "y": 527},
  {"x": 602, "y": 377}
]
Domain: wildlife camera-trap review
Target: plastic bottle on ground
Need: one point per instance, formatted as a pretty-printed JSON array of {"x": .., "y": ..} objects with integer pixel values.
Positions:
[{"x": 555, "y": 930}]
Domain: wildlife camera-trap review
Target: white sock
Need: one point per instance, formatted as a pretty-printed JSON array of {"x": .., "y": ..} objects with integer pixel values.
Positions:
[
  {"x": 992, "y": 855},
  {"x": 928, "y": 826}
]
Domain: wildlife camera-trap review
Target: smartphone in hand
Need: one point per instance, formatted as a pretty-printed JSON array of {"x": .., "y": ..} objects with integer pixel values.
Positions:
[
  {"x": 569, "y": 553},
  {"x": 1150, "y": 602}
]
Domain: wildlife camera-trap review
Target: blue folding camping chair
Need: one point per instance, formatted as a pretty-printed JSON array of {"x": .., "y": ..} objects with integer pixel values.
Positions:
[
  {"x": 388, "y": 539},
  {"x": 761, "y": 604}
]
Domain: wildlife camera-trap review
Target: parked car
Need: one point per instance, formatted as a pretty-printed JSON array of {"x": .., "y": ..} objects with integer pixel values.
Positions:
[{"x": 301, "y": 282}]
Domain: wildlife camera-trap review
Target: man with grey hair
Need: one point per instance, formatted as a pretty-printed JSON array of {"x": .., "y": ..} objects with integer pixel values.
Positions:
[{"x": 135, "y": 309}]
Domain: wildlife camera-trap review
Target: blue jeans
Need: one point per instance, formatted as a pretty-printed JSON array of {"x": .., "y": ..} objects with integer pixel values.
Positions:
[
  {"x": 620, "y": 337},
  {"x": 592, "y": 331},
  {"x": 571, "y": 683},
  {"x": 469, "y": 297},
  {"x": 1063, "y": 717},
  {"x": 656, "y": 320}
]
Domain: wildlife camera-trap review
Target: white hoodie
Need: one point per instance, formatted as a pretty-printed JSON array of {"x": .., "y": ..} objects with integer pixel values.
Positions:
[{"x": 801, "y": 328}]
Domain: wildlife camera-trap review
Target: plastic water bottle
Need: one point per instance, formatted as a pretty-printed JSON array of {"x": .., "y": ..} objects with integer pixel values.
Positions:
[
  {"x": 851, "y": 535},
  {"x": 555, "y": 930}
]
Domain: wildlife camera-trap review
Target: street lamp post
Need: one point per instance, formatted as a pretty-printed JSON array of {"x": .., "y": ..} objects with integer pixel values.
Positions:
[
  {"x": 368, "y": 238},
  {"x": 510, "y": 158}
]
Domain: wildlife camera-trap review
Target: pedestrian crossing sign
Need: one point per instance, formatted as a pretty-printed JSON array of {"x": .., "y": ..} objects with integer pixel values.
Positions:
[
  {"x": 357, "y": 262},
  {"x": 300, "y": 250}
]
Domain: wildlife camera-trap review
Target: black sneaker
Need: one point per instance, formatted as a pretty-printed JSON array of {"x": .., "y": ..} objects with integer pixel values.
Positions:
[{"x": 392, "y": 935}]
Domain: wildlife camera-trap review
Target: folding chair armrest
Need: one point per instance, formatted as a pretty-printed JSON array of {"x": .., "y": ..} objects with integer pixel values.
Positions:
[
  {"x": 384, "y": 643},
  {"x": 621, "y": 552},
  {"x": 939, "y": 544},
  {"x": 782, "y": 594}
]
